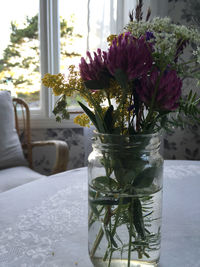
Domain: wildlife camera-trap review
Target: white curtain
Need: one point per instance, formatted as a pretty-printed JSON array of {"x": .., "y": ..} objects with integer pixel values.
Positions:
[{"x": 106, "y": 17}]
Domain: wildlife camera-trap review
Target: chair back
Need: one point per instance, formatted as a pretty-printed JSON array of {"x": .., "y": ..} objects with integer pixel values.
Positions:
[{"x": 22, "y": 112}]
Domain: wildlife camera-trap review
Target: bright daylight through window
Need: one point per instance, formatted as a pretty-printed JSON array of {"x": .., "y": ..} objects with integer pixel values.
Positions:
[
  {"x": 19, "y": 50},
  {"x": 47, "y": 36},
  {"x": 73, "y": 37},
  {"x": 20, "y": 68}
]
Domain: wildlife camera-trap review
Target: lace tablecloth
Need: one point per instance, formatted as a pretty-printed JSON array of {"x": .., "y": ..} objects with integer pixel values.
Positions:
[{"x": 44, "y": 223}]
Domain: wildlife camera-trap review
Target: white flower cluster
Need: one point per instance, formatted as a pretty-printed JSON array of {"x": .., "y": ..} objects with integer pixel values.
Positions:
[
  {"x": 197, "y": 54},
  {"x": 164, "y": 25},
  {"x": 167, "y": 38}
]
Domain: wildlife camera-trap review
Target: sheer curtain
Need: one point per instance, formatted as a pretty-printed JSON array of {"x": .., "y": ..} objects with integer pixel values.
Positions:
[{"x": 106, "y": 17}]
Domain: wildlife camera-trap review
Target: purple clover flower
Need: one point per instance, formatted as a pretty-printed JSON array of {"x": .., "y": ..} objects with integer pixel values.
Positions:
[
  {"x": 149, "y": 36},
  {"x": 131, "y": 55},
  {"x": 168, "y": 92},
  {"x": 93, "y": 70}
]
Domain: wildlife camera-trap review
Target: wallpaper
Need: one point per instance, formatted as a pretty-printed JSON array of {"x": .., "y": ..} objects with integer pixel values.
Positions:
[{"x": 184, "y": 144}]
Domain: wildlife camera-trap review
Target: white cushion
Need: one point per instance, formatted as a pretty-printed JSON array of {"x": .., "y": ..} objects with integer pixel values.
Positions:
[
  {"x": 13, "y": 177},
  {"x": 11, "y": 153}
]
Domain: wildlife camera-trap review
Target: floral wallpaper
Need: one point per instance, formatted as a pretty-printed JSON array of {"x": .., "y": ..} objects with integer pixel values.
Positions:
[{"x": 184, "y": 144}]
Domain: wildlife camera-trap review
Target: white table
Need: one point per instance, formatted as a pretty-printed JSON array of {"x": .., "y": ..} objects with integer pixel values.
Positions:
[{"x": 44, "y": 223}]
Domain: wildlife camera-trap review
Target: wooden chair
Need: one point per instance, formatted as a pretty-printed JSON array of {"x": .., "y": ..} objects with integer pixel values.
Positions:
[{"x": 24, "y": 133}]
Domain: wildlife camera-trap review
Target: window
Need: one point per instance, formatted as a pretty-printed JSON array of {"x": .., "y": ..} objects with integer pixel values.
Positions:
[
  {"x": 19, "y": 50},
  {"x": 48, "y": 36}
]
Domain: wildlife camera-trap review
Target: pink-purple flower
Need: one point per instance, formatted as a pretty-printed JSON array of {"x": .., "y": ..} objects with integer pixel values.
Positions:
[
  {"x": 93, "y": 69},
  {"x": 168, "y": 90},
  {"x": 131, "y": 55}
]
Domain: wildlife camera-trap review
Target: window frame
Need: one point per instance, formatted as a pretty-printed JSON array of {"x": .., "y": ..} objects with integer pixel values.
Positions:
[
  {"x": 49, "y": 39},
  {"x": 48, "y": 25}
]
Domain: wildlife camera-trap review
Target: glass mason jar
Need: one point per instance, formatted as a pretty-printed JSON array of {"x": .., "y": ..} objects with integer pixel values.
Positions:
[{"x": 125, "y": 176}]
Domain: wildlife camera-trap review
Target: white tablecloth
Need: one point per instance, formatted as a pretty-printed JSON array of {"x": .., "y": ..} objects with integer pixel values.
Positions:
[{"x": 44, "y": 223}]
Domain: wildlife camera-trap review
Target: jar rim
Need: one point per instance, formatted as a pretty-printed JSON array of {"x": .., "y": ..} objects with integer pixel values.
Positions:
[{"x": 159, "y": 133}]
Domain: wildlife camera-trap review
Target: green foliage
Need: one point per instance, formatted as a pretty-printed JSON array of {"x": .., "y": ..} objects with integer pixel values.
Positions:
[
  {"x": 121, "y": 78},
  {"x": 104, "y": 184},
  {"x": 103, "y": 125},
  {"x": 136, "y": 210},
  {"x": 89, "y": 113},
  {"x": 65, "y": 30},
  {"x": 22, "y": 72},
  {"x": 188, "y": 114},
  {"x": 190, "y": 106},
  {"x": 108, "y": 119},
  {"x": 34, "y": 96},
  {"x": 30, "y": 30},
  {"x": 102, "y": 83},
  {"x": 60, "y": 111},
  {"x": 146, "y": 177}
]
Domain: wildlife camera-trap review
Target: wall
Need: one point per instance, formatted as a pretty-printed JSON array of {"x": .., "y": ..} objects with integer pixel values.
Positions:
[{"x": 184, "y": 144}]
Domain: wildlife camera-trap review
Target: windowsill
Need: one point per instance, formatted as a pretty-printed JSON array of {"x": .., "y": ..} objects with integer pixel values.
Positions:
[
  {"x": 38, "y": 122},
  {"x": 51, "y": 123}
]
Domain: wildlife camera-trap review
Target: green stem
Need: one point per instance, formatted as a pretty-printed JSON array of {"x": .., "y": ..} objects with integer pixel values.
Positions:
[
  {"x": 114, "y": 229},
  {"x": 124, "y": 95},
  {"x": 96, "y": 242},
  {"x": 148, "y": 118},
  {"x": 99, "y": 235},
  {"x": 108, "y": 97}
]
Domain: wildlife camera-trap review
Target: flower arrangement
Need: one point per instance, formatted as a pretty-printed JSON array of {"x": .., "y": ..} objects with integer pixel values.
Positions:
[
  {"x": 138, "y": 82},
  {"x": 133, "y": 89}
]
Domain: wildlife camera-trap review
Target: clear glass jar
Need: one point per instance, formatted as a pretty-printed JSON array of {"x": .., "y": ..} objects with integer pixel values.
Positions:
[{"x": 125, "y": 200}]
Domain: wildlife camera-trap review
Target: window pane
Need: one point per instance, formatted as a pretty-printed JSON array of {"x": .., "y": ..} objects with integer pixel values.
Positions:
[
  {"x": 73, "y": 36},
  {"x": 19, "y": 50}
]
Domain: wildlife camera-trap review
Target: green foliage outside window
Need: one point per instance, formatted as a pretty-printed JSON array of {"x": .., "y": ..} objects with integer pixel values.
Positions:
[{"x": 20, "y": 66}]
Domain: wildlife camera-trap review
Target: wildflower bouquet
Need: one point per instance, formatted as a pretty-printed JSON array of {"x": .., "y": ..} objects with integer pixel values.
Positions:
[
  {"x": 133, "y": 90},
  {"x": 138, "y": 82}
]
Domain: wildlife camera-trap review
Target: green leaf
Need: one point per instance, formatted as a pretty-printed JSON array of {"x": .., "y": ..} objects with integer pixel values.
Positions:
[
  {"x": 104, "y": 182},
  {"x": 138, "y": 218},
  {"x": 146, "y": 177},
  {"x": 94, "y": 84},
  {"x": 108, "y": 119},
  {"x": 121, "y": 78},
  {"x": 102, "y": 83},
  {"x": 89, "y": 113},
  {"x": 112, "y": 239},
  {"x": 94, "y": 209},
  {"x": 123, "y": 176},
  {"x": 100, "y": 123},
  {"x": 60, "y": 109}
]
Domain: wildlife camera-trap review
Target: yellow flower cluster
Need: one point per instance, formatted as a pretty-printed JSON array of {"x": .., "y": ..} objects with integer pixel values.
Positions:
[
  {"x": 56, "y": 82},
  {"x": 110, "y": 38},
  {"x": 82, "y": 120},
  {"x": 61, "y": 86}
]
